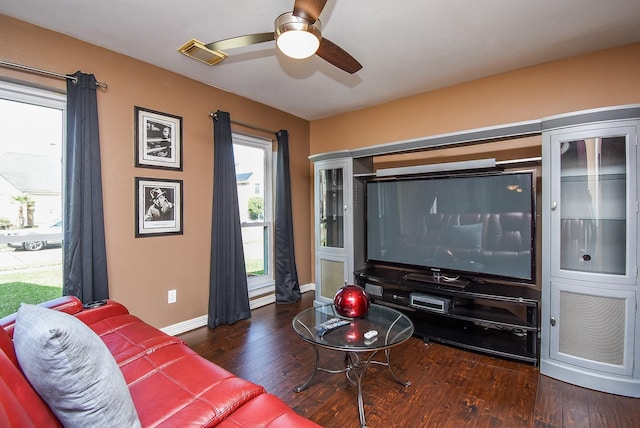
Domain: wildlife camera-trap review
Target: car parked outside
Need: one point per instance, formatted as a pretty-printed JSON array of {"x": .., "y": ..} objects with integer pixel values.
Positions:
[{"x": 37, "y": 239}]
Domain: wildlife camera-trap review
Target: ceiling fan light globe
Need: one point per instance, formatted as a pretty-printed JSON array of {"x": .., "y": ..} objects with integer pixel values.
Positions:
[
  {"x": 296, "y": 37},
  {"x": 298, "y": 44}
]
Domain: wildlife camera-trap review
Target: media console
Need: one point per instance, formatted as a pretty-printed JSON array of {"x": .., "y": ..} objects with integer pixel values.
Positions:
[{"x": 497, "y": 319}]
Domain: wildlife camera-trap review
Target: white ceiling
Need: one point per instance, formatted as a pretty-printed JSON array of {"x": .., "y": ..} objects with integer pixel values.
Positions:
[{"x": 405, "y": 46}]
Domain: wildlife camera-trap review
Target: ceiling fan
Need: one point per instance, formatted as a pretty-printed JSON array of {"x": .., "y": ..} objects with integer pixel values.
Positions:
[{"x": 298, "y": 34}]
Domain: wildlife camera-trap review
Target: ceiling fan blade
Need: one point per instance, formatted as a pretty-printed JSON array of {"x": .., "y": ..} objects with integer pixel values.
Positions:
[
  {"x": 337, "y": 56},
  {"x": 241, "y": 41},
  {"x": 308, "y": 9}
]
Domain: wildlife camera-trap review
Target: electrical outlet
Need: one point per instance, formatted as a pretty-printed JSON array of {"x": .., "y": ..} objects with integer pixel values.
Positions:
[{"x": 172, "y": 296}]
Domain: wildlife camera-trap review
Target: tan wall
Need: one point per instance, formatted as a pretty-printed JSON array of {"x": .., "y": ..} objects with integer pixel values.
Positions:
[
  {"x": 600, "y": 79},
  {"x": 142, "y": 270}
]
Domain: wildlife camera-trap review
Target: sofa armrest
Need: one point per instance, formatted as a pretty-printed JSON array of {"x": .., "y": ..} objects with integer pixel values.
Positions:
[
  {"x": 108, "y": 310},
  {"x": 68, "y": 304}
]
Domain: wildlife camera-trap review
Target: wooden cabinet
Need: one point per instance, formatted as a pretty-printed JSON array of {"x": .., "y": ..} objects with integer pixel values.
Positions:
[{"x": 590, "y": 255}]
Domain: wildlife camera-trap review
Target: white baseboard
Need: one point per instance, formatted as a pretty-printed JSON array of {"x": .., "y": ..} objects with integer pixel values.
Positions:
[
  {"x": 308, "y": 287},
  {"x": 184, "y": 326},
  {"x": 201, "y": 321}
]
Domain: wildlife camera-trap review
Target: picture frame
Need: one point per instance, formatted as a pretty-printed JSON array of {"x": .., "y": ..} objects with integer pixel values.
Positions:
[
  {"x": 159, "y": 207},
  {"x": 158, "y": 139}
]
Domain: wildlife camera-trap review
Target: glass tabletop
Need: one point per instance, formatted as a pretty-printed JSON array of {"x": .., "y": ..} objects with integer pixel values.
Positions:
[{"x": 386, "y": 327}]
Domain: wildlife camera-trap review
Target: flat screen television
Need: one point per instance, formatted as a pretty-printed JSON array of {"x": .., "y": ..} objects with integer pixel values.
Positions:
[{"x": 468, "y": 226}]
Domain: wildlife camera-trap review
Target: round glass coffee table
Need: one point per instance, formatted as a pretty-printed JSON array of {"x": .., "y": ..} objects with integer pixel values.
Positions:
[{"x": 359, "y": 338}]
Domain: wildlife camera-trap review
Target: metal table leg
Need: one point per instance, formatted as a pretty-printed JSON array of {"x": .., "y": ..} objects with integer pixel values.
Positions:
[
  {"x": 404, "y": 383},
  {"x": 317, "y": 369},
  {"x": 357, "y": 366},
  {"x": 359, "y": 369},
  {"x": 313, "y": 373}
]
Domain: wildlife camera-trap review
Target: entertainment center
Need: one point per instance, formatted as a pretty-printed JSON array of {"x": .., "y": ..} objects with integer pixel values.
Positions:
[{"x": 482, "y": 256}]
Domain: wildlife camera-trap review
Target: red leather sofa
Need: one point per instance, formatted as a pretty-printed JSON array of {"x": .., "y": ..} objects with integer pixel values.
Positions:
[{"x": 170, "y": 384}]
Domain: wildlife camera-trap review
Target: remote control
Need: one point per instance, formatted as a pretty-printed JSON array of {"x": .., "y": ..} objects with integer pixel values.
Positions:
[{"x": 329, "y": 325}]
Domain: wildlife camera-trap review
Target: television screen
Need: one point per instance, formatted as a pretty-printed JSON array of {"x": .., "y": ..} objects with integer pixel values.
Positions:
[{"x": 470, "y": 225}]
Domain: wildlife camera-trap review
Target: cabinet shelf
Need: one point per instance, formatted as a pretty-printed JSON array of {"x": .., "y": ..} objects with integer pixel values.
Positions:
[
  {"x": 481, "y": 317},
  {"x": 493, "y": 341},
  {"x": 616, "y": 176},
  {"x": 491, "y": 315}
]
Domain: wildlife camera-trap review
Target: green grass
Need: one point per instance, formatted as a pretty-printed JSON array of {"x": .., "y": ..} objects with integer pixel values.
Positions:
[
  {"x": 254, "y": 267},
  {"x": 15, "y": 293},
  {"x": 34, "y": 286}
]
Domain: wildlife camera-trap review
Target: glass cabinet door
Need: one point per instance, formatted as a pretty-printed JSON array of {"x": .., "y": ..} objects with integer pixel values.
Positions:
[
  {"x": 592, "y": 205},
  {"x": 331, "y": 206},
  {"x": 333, "y": 227}
]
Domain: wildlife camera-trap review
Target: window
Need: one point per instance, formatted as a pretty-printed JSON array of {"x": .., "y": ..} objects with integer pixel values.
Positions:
[
  {"x": 31, "y": 141},
  {"x": 254, "y": 172}
]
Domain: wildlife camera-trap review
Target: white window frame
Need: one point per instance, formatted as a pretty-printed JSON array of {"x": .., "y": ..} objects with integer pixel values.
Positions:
[{"x": 263, "y": 284}]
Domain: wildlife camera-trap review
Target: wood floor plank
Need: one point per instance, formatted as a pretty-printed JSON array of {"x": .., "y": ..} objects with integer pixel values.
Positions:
[
  {"x": 549, "y": 404},
  {"x": 519, "y": 405},
  {"x": 599, "y": 416},
  {"x": 575, "y": 406},
  {"x": 626, "y": 410},
  {"x": 450, "y": 387}
]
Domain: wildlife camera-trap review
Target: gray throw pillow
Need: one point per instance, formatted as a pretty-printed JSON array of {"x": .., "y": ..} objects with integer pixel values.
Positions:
[{"x": 72, "y": 369}]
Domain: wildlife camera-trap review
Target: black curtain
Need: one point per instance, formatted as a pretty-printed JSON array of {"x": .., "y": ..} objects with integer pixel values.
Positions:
[
  {"x": 84, "y": 250},
  {"x": 228, "y": 291},
  {"x": 287, "y": 286}
]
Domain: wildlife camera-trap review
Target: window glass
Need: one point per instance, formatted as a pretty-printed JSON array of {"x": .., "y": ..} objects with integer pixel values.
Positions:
[
  {"x": 31, "y": 141},
  {"x": 253, "y": 158}
]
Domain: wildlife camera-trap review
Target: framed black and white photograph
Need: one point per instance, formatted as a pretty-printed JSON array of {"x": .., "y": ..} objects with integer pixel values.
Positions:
[
  {"x": 158, "y": 139},
  {"x": 158, "y": 207}
]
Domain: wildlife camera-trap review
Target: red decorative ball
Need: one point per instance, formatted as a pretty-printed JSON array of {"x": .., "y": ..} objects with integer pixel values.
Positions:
[{"x": 352, "y": 301}]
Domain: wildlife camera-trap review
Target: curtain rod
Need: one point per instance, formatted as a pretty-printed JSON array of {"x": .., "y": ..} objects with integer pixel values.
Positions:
[
  {"x": 101, "y": 85},
  {"x": 246, "y": 125}
]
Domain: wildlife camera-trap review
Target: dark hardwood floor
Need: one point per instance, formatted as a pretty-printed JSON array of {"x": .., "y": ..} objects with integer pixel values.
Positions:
[{"x": 450, "y": 387}]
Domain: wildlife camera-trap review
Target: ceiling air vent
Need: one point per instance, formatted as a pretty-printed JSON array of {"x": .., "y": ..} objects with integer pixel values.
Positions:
[{"x": 197, "y": 50}]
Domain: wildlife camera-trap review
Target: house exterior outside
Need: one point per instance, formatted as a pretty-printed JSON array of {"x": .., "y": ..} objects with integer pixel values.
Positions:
[{"x": 41, "y": 181}]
